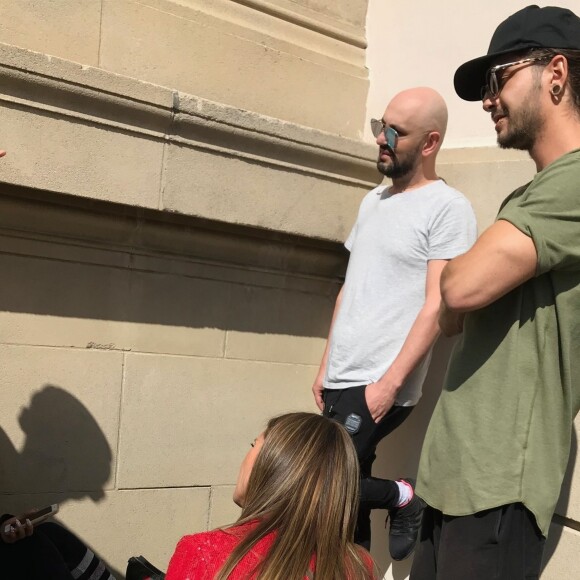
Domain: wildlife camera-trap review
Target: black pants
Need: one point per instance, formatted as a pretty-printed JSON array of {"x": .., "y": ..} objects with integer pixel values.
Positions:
[
  {"x": 51, "y": 553},
  {"x": 499, "y": 544},
  {"x": 375, "y": 492}
]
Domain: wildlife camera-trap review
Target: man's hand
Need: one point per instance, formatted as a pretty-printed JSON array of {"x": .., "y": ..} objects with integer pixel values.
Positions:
[
  {"x": 317, "y": 389},
  {"x": 451, "y": 323},
  {"x": 17, "y": 531},
  {"x": 380, "y": 397}
]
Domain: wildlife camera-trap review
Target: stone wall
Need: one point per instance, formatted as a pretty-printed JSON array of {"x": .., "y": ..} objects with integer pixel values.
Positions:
[
  {"x": 141, "y": 356},
  {"x": 170, "y": 266},
  {"x": 302, "y": 61}
]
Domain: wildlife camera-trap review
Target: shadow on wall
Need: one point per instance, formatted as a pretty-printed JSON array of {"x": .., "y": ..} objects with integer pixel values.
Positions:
[
  {"x": 167, "y": 270},
  {"x": 65, "y": 454},
  {"x": 562, "y": 507},
  {"x": 398, "y": 455}
]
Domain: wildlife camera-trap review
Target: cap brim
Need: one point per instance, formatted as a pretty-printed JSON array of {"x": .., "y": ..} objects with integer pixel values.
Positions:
[{"x": 470, "y": 77}]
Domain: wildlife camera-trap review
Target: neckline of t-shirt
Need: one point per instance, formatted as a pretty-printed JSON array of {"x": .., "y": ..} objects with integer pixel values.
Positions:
[
  {"x": 556, "y": 161},
  {"x": 386, "y": 188}
]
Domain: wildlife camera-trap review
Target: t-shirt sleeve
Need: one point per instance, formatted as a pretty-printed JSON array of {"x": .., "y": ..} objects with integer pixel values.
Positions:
[
  {"x": 351, "y": 237},
  {"x": 453, "y": 230},
  {"x": 549, "y": 212}
]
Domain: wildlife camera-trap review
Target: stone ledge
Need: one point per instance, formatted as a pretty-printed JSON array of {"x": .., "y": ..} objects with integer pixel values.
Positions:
[
  {"x": 41, "y": 224},
  {"x": 85, "y": 132},
  {"x": 43, "y": 82}
]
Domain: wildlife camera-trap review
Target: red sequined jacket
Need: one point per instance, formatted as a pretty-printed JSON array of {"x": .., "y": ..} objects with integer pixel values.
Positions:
[{"x": 201, "y": 556}]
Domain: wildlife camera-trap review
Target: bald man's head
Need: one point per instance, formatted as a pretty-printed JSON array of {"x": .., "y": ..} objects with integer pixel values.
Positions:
[
  {"x": 421, "y": 108},
  {"x": 419, "y": 117}
]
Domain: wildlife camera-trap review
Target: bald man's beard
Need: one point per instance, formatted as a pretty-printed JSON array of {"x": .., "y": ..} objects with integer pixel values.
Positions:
[{"x": 399, "y": 167}]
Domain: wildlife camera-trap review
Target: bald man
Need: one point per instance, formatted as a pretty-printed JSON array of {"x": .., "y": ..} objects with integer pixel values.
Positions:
[{"x": 385, "y": 318}]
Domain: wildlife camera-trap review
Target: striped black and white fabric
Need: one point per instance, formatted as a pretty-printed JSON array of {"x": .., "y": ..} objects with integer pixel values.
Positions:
[{"x": 91, "y": 567}]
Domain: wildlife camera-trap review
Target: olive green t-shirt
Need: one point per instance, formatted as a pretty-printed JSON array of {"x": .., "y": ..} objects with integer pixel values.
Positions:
[{"x": 501, "y": 430}]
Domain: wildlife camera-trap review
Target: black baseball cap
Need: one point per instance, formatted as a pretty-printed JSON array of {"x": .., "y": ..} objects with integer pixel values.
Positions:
[{"x": 531, "y": 27}]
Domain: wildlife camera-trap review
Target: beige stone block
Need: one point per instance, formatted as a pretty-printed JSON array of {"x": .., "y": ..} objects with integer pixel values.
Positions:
[
  {"x": 49, "y": 151},
  {"x": 45, "y": 330},
  {"x": 223, "y": 510},
  {"x": 285, "y": 26},
  {"x": 561, "y": 554},
  {"x": 66, "y": 28},
  {"x": 351, "y": 11},
  {"x": 60, "y": 419},
  {"x": 61, "y": 303},
  {"x": 256, "y": 194},
  {"x": 486, "y": 177},
  {"x": 76, "y": 303},
  {"x": 275, "y": 347},
  {"x": 177, "y": 314},
  {"x": 285, "y": 80},
  {"x": 189, "y": 421},
  {"x": 129, "y": 523},
  {"x": 277, "y": 325}
]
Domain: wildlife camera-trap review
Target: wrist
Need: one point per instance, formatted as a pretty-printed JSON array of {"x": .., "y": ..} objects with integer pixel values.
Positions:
[{"x": 390, "y": 383}]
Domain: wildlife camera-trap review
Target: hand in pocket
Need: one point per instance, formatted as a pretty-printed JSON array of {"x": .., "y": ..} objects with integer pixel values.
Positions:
[{"x": 379, "y": 399}]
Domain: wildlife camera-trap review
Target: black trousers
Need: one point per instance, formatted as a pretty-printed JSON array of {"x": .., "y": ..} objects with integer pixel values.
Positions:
[
  {"x": 375, "y": 492},
  {"x": 503, "y": 543},
  {"x": 51, "y": 553}
]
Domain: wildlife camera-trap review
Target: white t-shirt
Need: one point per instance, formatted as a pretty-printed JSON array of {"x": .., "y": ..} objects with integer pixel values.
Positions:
[{"x": 394, "y": 237}]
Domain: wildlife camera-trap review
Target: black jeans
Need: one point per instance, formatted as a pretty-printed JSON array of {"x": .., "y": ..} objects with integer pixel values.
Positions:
[
  {"x": 375, "y": 492},
  {"x": 503, "y": 543}
]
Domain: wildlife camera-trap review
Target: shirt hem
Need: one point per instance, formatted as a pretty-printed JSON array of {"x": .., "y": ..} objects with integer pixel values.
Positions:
[
  {"x": 492, "y": 505},
  {"x": 398, "y": 402}
]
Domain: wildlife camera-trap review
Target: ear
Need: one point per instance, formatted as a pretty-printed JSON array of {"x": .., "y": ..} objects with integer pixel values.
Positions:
[
  {"x": 557, "y": 71},
  {"x": 432, "y": 143}
]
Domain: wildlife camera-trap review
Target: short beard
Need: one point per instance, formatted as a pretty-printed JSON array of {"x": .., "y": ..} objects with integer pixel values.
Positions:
[
  {"x": 524, "y": 125},
  {"x": 399, "y": 168}
]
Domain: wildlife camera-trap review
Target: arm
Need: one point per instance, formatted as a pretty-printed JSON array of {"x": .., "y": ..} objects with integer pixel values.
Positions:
[
  {"x": 501, "y": 259},
  {"x": 318, "y": 386},
  {"x": 450, "y": 322},
  {"x": 380, "y": 396}
]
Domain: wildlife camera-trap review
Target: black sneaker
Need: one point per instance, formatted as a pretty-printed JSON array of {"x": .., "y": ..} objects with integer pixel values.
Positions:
[{"x": 405, "y": 524}]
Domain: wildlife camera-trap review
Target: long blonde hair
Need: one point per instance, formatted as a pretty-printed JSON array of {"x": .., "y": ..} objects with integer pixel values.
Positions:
[{"x": 304, "y": 486}]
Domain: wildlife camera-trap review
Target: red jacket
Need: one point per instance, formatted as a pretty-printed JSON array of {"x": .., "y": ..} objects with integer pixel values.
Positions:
[{"x": 201, "y": 556}]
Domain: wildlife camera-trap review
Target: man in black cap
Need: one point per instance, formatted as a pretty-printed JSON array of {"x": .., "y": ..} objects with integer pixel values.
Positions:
[{"x": 498, "y": 443}]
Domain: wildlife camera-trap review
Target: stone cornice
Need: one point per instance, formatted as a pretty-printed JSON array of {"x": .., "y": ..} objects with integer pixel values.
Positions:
[
  {"x": 349, "y": 37},
  {"x": 48, "y": 225},
  {"x": 35, "y": 81}
]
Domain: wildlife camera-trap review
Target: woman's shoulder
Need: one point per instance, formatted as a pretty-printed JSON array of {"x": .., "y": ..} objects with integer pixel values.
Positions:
[
  {"x": 200, "y": 556},
  {"x": 215, "y": 540}
]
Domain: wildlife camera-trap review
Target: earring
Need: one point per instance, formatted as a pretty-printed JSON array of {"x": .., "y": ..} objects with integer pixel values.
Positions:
[{"x": 555, "y": 90}]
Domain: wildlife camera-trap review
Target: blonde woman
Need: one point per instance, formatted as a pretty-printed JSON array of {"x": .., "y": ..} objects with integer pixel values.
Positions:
[{"x": 298, "y": 489}]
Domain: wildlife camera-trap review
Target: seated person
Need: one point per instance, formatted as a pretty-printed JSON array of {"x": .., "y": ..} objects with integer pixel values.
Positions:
[
  {"x": 45, "y": 552},
  {"x": 298, "y": 489}
]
